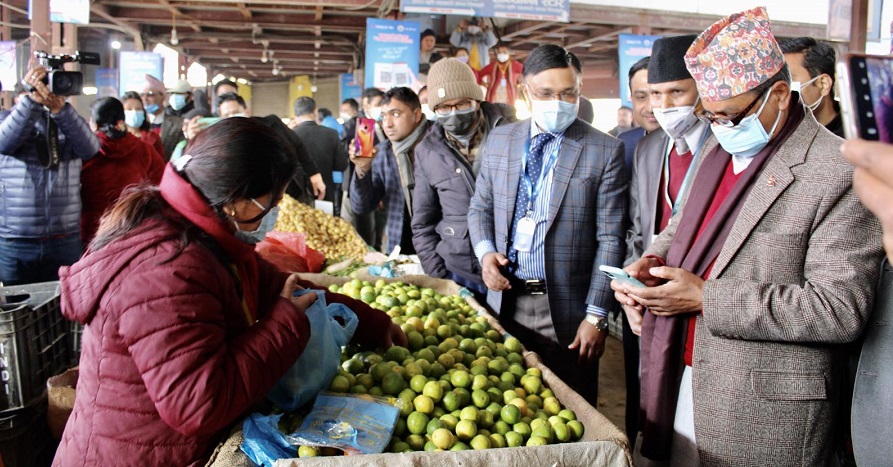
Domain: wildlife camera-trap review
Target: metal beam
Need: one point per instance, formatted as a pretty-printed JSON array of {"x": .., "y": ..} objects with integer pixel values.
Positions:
[
  {"x": 100, "y": 10},
  {"x": 246, "y": 13},
  {"x": 600, "y": 37}
]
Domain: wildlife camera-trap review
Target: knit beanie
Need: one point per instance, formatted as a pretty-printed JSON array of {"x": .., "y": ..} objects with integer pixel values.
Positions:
[{"x": 451, "y": 79}]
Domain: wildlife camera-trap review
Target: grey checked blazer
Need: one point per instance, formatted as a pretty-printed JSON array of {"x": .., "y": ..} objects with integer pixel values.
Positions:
[
  {"x": 795, "y": 279},
  {"x": 587, "y": 215}
]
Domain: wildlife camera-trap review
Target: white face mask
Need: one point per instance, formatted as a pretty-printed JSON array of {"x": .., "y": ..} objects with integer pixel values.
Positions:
[
  {"x": 502, "y": 58},
  {"x": 797, "y": 86},
  {"x": 474, "y": 29},
  {"x": 676, "y": 121},
  {"x": 266, "y": 225},
  {"x": 240, "y": 114},
  {"x": 374, "y": 113},
  {"x": 463, "y": 59},
  {"x": 747, "y": 138},
  {"x": 429, "y": 114},
  {"x": 344, "y": 117},
  {"x": 554, "y": 115}
]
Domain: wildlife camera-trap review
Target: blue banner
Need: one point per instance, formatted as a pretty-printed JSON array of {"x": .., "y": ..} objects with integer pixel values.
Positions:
[
  {"x": 134, "y": 68},
  {"x": 631, "y": 48},
  {"x": 537, "y": 10},
  {"x": 350, "y": 89},
  {"x": 392, "y": 53},
  {"x": 107, "y": 82}
]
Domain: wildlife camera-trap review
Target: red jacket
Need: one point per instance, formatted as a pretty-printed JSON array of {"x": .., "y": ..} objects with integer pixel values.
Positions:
[
  {"x": 168, "y": 358},
  {"x": 153, "y": 140},
  {"x": 120, "y": 163},
  {"x": 492, "y": 76}
]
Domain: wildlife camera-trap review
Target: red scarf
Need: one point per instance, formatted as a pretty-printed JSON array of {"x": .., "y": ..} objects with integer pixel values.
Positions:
[{"x": 187, "y": 200}]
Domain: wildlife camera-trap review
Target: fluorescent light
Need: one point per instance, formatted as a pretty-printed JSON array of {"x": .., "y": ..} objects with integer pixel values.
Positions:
[
  {"x": 116, "y": 45},
  {"x": 90, "y": 90}
]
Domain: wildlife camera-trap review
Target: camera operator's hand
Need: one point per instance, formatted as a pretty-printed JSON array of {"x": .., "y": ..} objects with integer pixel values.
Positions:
[
  {"x": 193, "y": 127},
  {"x": 41, "y": 93}
]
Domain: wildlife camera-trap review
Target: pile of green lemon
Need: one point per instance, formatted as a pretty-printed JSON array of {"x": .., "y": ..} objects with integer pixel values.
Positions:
[{"x": 461, "y": 386}]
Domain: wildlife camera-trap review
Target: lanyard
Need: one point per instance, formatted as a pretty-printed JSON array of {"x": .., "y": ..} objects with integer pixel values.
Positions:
[
  {"x": 688, "y": 173},
  {"x": 533, "y": 190}
]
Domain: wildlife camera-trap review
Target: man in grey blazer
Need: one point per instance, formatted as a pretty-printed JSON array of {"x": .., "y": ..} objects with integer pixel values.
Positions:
[
  {"x": 550, "y": 207},
  {"x": 766, "y": 271}
]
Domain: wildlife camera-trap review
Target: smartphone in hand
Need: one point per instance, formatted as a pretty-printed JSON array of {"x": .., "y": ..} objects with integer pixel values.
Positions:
[
  {"x": 620, "y": 275},
  {"x": 865, "y": 84},
  {"x": 365, "y": 137}
]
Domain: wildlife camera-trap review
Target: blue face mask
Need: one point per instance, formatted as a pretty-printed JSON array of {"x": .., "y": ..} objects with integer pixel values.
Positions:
[
  {"x": 748, "y": 137},
  {"x": 554, "y": 115},
  {"x": 152, "y": 108},
  {"x": 134, "y": 118},
  {"x": 255, "y": 236},
  {"x": 178, "y": 101}
]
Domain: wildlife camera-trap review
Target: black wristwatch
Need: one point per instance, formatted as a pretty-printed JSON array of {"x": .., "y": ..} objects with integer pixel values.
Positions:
[{"x": 598, "y": 321}]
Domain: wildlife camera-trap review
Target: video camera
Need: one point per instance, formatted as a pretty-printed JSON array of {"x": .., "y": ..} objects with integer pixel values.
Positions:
[{"x": 59, "y": 81}]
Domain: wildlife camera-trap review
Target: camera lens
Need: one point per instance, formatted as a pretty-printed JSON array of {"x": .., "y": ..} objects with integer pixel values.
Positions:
[{"x": 61, "y": 83}]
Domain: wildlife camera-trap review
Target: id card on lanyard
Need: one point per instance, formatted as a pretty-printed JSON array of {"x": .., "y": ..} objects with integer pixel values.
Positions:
[{"x": 523, "y": 238}]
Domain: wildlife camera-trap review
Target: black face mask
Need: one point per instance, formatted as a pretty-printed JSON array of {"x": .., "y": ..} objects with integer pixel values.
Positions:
[{"x": 459, "y": 123}]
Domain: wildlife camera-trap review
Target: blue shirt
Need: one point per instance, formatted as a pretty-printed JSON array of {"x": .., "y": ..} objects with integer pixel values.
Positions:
[{"x": 532, "y": 264}]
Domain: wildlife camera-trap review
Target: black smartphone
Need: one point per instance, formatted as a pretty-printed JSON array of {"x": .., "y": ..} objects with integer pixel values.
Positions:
[{"x": 865, "y": 84}]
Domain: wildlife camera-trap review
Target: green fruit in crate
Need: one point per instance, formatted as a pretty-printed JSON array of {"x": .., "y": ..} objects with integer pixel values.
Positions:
[
  {"x": 459, "y": 446},
  {"x": 497, "y": 440},
  {"x": 339, "y": 384},
  {"x": 400, "y": 446},
  {"x": 434, "y": 390},
  {"x": 510, "y": 414},
  {"x": 393, "y": 383},
  {"x": 308, "y": 451},
  {"x": 433, "y": 425},
  {"x": 480, "y": 398},
  {"x": 562, "y": 432},
  {"x": 513, "y": 439},
  {"x": 469, "y": 413},
  {"x": 466, "y": 429},
  {"x": 449, "y": 421},
  {"x": 522, "y": 429},
  {"x": 423, "y": 404},
  {"x": 450, "y": 401},
  {"x": 537, "y": 441},
  {"x": 417, "y": 423},
  {"x": 443, "y": 438},
  {"x": 415, "y": 442},
  {"x": 576, "y": 429},
  {"x": 480, "y": 442},
  {"x": 353, "y": 366}
]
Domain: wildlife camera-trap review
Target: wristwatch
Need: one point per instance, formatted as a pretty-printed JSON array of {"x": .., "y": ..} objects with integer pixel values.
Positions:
[{"x": 598, "y": 321}]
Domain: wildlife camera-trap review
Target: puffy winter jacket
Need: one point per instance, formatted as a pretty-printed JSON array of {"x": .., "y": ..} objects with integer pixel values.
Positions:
[
  {"x": 168, "y": 358},
  {"x": 121, "y": 162},
  {"x": 36, "y": 202},
  {"x": 444, "y": 184}
]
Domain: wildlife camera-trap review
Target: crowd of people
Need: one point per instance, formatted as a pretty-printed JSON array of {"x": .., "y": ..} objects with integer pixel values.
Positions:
[{"x": 725, "y": 195}]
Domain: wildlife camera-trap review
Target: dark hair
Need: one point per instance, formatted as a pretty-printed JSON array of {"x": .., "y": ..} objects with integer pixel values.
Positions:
[
  {"x": 784, "y": 74},
  {"x": 237, "y": 158},
  {"x": 818, "y": 57},
  {"x": 404, "y": 95},
  {"x": 428, "y": 32},
  {"x": 230, "y": 96},
  {"x": 304, "y": 106},
  {"x": 196, "y": 112},
  {"x": 324, "y": 112},
  {"x": 106, "y": 112},
  {"x": 637, "y": 67},
  {"x": 501, "y": 44},
  {"x": 135, "y": 95},
  {"x": 225, "y": 82},
  {"x": 371, "y": 93},
  {"x": 546, "y": 57},
  {"x": 352, "y": 103}
]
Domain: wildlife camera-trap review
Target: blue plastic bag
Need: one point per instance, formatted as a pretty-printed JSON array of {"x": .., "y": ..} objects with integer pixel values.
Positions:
[
  {"x": 263, "y": 442},
  {"x": 315, "y": 368},
  {"x": 354, "y": 423}
]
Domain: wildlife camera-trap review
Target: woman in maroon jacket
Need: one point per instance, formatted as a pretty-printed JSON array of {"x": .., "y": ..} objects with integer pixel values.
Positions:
[
  {"x": 185, "y": 326},
  {"x": 122, "y": 160}
]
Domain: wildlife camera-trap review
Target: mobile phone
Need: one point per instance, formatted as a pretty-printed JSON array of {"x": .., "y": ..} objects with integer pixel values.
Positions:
[
  {"x": 865, "y": 84},
  {"x": 620, "y": 275},
  {"x": 365, "y": 137}
]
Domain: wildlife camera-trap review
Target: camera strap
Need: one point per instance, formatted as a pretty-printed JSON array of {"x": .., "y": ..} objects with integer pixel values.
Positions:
[{"x": 48, "y": 149}]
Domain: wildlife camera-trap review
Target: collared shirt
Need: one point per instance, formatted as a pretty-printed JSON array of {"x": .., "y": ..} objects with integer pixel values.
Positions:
[{"x": 532, "y": 264}]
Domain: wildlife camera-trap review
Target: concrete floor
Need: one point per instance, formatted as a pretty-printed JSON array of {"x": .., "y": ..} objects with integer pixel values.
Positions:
[{"x": 611, "y": 385}]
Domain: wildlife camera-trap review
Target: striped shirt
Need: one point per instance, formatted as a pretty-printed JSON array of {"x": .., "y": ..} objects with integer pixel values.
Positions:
[{"x": 532, "y": 264}]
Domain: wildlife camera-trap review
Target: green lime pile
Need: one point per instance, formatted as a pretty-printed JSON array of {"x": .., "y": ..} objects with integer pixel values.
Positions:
[{"x": 462, "y": 386}]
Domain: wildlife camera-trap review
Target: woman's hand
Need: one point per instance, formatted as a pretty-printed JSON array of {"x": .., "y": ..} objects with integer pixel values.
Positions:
[
  {"x": 288, "y": 292},
  {"x": 393, "y": 335}
]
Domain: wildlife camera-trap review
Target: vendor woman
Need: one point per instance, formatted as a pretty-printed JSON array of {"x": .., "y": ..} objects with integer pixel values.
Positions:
[{"x": 185, "y": 326}]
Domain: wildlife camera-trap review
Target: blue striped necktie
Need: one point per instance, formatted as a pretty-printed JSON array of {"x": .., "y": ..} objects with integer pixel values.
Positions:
[{"x": 534, "y": 169}]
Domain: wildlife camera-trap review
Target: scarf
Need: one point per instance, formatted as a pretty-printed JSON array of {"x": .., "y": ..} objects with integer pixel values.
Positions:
[
  {"x": 663, "y": 338},
  {"x": 403, "y": 153},
  {"x": 191, "y": 204}
]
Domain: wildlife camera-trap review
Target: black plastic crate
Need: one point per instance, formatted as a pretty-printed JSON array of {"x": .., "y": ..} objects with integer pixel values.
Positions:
[
  {"x": 34, "y": 343},
  {"x": 25, "y": 438}
]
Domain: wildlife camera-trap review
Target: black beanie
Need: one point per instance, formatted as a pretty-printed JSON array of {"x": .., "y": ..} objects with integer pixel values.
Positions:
[{"x": 668, "y": 59}]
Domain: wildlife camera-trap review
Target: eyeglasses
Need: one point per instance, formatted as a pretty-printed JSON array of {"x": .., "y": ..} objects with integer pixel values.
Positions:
[
  {"x": 727, "y": 121},
  {"x": 567, "y": 96},
  {"x": 149, "y": 93},
  {"x": 461, "y": 106}
]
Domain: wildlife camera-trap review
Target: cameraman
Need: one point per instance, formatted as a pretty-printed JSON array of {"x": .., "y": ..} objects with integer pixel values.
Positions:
[{"x": 40, "y": 179}]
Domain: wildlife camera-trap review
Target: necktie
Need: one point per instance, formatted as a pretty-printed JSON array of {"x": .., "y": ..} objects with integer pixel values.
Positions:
[{"x": 534, "y": 169}]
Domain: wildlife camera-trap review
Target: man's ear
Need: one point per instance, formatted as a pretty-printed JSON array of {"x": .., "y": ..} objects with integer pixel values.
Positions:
[
  {"x": 826, "y": 84},
  {"x": 782, "y": 93}
]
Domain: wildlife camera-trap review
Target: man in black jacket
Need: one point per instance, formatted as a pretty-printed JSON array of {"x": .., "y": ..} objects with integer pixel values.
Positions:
[
  {"x": 322, "y": 144},
  {"x": 447, "y": 163}
]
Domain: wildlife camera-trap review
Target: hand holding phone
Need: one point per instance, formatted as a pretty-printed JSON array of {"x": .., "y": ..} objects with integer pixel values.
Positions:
[
  {"x": 866, "y": 96},
  {"x": 621, "y": 276},
  {"x": 365, "y": 137}
]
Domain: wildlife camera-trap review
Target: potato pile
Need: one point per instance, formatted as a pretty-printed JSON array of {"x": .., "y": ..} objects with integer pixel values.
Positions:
[{"x": 333, "y": 236}]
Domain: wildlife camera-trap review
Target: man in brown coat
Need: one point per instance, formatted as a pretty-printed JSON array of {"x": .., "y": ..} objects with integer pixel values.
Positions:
[{"x": 766, "y": 271}]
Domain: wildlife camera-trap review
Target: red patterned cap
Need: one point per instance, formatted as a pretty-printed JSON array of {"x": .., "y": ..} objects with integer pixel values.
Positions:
[{"x": 734, "y": 55}]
